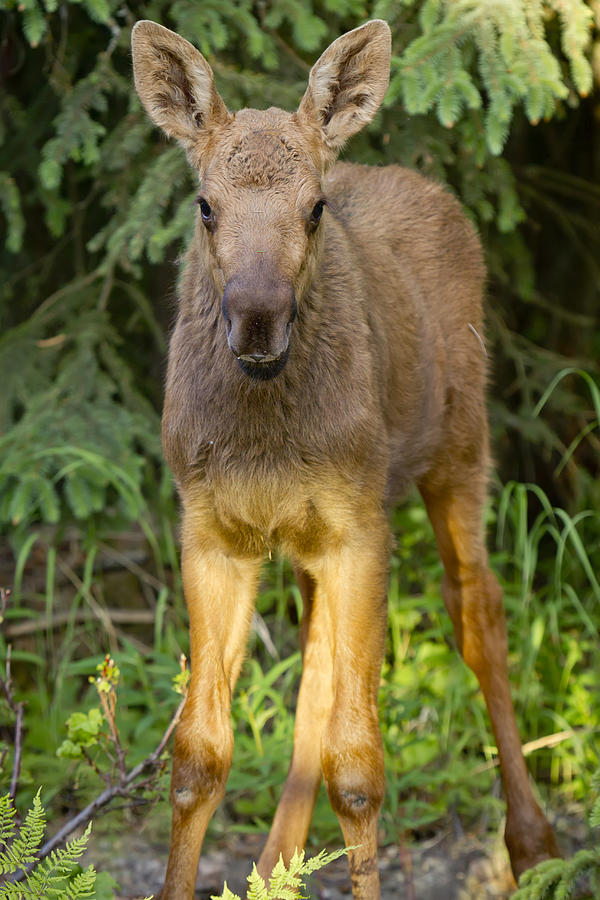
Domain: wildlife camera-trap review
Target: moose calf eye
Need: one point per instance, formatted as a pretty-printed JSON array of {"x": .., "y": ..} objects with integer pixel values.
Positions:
[
  {"x": 315, "y": 215},
  {"x": 317, "y": 211},
  {"x": 205, "y": 211}
]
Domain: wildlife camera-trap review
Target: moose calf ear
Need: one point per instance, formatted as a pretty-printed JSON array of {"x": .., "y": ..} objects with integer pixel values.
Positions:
[
  {"x": 175, "y": 83},
  {"x": 348, "y": 82}
]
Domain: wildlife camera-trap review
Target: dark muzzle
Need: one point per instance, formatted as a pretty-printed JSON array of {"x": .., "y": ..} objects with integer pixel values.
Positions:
[{"x": 258, "y": 320}]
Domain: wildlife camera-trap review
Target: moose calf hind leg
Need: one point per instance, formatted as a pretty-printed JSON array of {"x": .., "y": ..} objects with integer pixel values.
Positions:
[
  {"x": 294, "y": 811},
  {"x": 473, "y": 598}
]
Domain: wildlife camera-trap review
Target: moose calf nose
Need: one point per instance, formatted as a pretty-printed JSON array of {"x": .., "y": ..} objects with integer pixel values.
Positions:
[{"x": 259, "y": 310}]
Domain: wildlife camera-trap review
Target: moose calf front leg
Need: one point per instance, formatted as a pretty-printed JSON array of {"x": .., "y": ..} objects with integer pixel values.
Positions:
[
  {"x": 353, "y": 581},
  {"x": 219, "y": 593}
]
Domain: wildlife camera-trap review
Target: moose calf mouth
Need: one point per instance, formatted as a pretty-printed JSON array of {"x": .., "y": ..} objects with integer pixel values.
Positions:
[{"x": 265, "y": 370}]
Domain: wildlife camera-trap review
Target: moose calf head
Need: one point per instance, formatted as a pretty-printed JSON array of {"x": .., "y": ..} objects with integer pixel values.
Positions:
[{"x": 261, "y": 198}]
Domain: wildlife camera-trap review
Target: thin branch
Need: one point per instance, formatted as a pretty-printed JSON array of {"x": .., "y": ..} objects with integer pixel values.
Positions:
[
  {"x": 16, "y": 769},
  {"x": 16, "y": 708},
  {"x": 128, "y": 563},
  {"x": 57, "y": 620},
  {"x": 75, "y": 285},
  {"x": 122, "y": 789},
  {"x": 76, "y": 581},
  {"x": 289, "y": 51},
  {"x": 549, "y": 740}
]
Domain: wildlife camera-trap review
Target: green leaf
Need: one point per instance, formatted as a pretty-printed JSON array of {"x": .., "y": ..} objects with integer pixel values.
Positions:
[
  {"x": 79, "y": 495},
  {"x": 69, "y": 750},
  {"x": 84, "y": 728}
]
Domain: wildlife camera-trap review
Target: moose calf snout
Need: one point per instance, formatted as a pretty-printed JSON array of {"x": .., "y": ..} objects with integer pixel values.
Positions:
[{"x": 258, "y": 318}]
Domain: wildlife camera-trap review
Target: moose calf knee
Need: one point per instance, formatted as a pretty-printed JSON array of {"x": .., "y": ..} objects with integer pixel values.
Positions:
[
  {"x": 200, "y": 771},
  {"x": 354, "y": 775}
]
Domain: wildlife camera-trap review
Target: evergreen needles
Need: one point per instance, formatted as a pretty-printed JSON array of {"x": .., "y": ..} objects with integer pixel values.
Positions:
[{"x": 515, "y": 62}]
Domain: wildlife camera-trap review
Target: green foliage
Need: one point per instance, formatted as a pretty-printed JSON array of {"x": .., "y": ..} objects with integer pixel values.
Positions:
[
  {"x": 83, "y": 730},
  {"x": 514, "y": 61},
  {"x": 182, "y": 679},
  {"x": 56, "y": 876},
  {"x": 81, "y": 433},
  {"x": 285, "y": 882}
]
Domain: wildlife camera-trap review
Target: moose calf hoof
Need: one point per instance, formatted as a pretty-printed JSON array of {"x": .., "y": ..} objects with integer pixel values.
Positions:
[{"x": 529, "y": 843}]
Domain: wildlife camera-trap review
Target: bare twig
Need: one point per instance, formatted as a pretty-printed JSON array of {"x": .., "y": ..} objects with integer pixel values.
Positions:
[
  {"x": 549, "y": 740},
  {"x": 16, "y": 708},
  {"x": 128, "y": 562},
  {"x": 57, "y": 620},
  {"x": 122, "y": 789},
  {"x": 76, "y": 581},
  {"x": 301, "y": 63},
  {"x": 16, "y": 769},
  {"x": 104, "y": 776}
]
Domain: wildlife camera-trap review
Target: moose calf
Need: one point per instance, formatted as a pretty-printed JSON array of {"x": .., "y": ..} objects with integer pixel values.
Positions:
[{"x": 326, "y": 355}]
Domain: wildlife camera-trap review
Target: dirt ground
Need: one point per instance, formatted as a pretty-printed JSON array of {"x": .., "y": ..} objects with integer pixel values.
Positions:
[{"x": 443, "y": 868}]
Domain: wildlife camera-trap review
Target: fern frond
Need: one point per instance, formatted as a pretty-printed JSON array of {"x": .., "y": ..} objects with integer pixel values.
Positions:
[
  {"x": 573, "y": 870},
  {"x": 7, "y": 820},
  {"x": 323, "y": 859},
  {"x": 82, "y": 885},
  {"x": 59, "y": 863},
  {"x": 285, "y": 882},
  {"x": 257, "y": 889},
  {"x": 25, "y": 847},
  {"x": 226, "y": 895}
]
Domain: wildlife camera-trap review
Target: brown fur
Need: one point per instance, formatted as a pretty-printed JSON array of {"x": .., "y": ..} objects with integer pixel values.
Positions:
[{"x": 360, "y": 371}]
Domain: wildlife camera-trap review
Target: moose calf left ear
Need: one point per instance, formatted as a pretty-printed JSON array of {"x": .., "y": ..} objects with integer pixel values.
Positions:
[
  {"x": 348, "y": 82},
  {"x": 175, "y": 84}
]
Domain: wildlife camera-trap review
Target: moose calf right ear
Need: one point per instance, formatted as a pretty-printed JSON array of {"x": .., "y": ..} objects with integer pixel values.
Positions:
[
  {"x": 175, "y": 84},
  {"x": 347, "y": 83}
]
